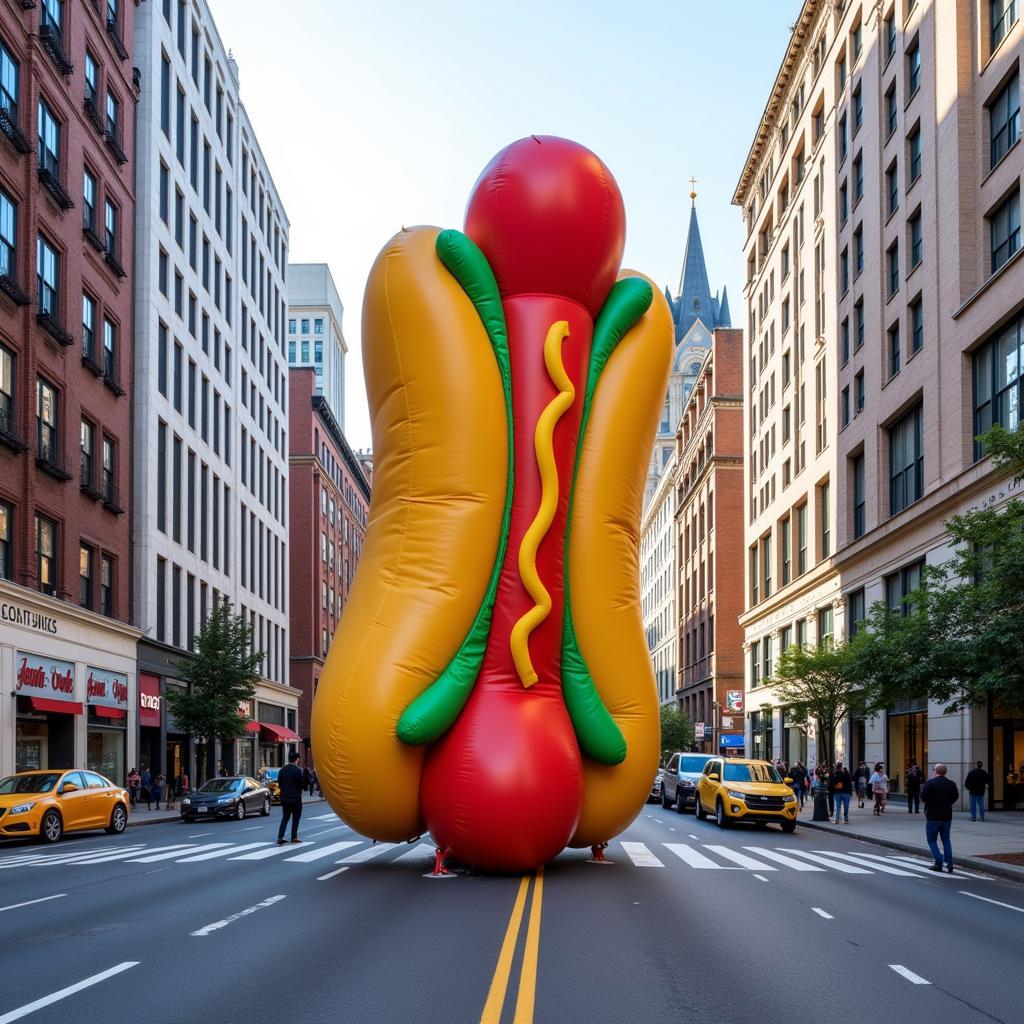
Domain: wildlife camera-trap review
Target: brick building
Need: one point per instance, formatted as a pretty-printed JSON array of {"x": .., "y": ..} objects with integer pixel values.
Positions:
[
  {"x": 67, "y": 206},
  {"x": 329, "y": 502},
  {"x": 709, "y": 539}
]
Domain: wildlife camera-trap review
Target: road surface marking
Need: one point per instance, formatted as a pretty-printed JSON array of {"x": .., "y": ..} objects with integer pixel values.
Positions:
[
  {"x": 322, "y": 851},
  {"x": 331, "y": 874},
  {"x": 274, "y": 851},
  {"x": 694, "y": 837},
  {"x": 103, "y": 858},
  {"x": 761, "y": 877},
  {"x": 836, "y": 865},
  {"x": 695, "y": 858},
  {"x": 234, "y": 917},
  {"x": 249, "y": 828},
  {"x": 368, "y": 854},
  {"x": 219, "y": 853},
  {"x": 920, "y": 865},
  {"x": 54, "y": 997},
  {"x": 325, "y": 817},
  {"x": 641, "y": 856},
  {"x": 337, "y": 828},
  {"x": 876, "y": 864},
  {"x": 659, "y": 821},
  {"x": 499, "y": 983},
  {"x": 739, "y": 858},
  {"x": 28, "y": 903},
  {"x": 975, "y": 896},
  {"x": 781, "y": 858},
  {"x": 914, "y": 979},
  {"x": 417, "y": 853},
  {"x": 671, "y": 829},
  {"x": 526, "y": 996},
  {"x": 199, "y": 835},
  {"x": 823, "y": 913},
  {"x": 60, "y": 858},
  {"x": 173, "y": 854}
]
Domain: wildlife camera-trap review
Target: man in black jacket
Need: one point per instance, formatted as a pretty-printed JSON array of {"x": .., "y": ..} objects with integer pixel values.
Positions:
[
  {"x": 840, "y": 783},
  {"x": 290, "y": 781},
  {"x": 939, "y": 795},
  {"x": 976, "y": 783},
  {"x": 914, "y": 780}
]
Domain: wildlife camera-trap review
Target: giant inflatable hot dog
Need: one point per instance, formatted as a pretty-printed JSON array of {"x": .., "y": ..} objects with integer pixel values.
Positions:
[{"x": 489, "y": 681}]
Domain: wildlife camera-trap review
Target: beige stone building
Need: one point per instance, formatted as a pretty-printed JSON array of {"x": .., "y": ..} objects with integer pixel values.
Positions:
[{"x": 884, "y": 299}]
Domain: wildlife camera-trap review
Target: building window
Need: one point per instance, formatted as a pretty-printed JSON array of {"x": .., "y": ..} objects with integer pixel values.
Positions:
[
  {"x": 906, "y": 461},
  {"x": 858, "y": 251},
  {"x": 1004, "y": 120},
  {"x": 858, "y": 109},
  {"x": 7, "y": 419},
  {"x": 113, "y": 117},
  {"x": 6, "y": 533},
  {"x": 844, "y": 271},
  {"x": 826, "y": 520},
  {"x": 900, "y": 585},
  {"x": 891, "y": 110},
  {"x": 892, "y": 187},
  {"x": 291, "y": 326},
  {"x": 8, "y": 237},
  {"x": 9, "y": 74},
  {"x": 88, "y": 327},
  {"x": 87, "y": 448},
  {"x": 844, "y": 204},
  {"x": 1001, "y": 15},
  {"x": 1004, "y": 225},
  {"x": 854, "y": 612},
  {"x": 106, "y": 586},
  {"x": 109, "y": 350},
  {"x": 801, "y": 540},
  {"x": 844, "y": 341},
  {"x": 893, "y": 259},
  {"x": 46, "y": 555},
  {"x": 858, "y": 392},
  {"x": 766, "y": 659},
  {"x": 47, "y": 277},
  {"x": 49, "y": 141},
  {"x": 109, "y": 471},
  {"x": 844, "y": 407},
  {"x": 913, "y": 68},
  {"x": 755, "y": 592},
  {"x": 894, "y": 349},
  {"x": 766, "y": 564},
  {"x": 787, "y": 553},
  {"x": 801, "y": 632},
  {"x": 755, "y": 664},
  {"x": 914, "y": 153},
  {"x": 47, "y": 438},
  {"x": 88, "y": 201},
  {"x": 858, "y": 178},
  {"x": 889, "y": 32},
  {"x": 843, "y": 141},
  {"x": 998, "y": 382},
  {"x": 916, "y": 240},
  {"x": 858, "y": 324},
  {"x": 859, "y": 498},
  {"x": 826, "y": 629},
  {"x": 85, "y": 560}
]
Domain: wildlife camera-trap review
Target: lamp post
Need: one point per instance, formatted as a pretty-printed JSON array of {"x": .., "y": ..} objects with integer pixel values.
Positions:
[{"x": 716, "y": 712}]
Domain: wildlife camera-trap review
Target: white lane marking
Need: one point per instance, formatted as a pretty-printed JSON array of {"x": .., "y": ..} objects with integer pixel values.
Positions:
[
  {"x": 274, "y": 851},
  {"x": 914, "y": 979},
  {"x": 325, "y": 817},
  {"x": 61, "y": 858},
  {"x": 823, "y": 913},
  {"x": 695, "y": 858},
  {"x": 781, "y": 858},
  {"x": 249, "y": 828},
  {"x": 641, "y": 856},
  {"x": 28, "y": 903},
  {"x": 174, "y": 854},
  {"x": 975, "y": 896},
  {"x": 104, "y": 858},
  {"x": 671, "y": 829},
  {"x": 337, "y": 828},
  {"x": 368, "y": 854},
  {"x": 693, "y": 837},
  {"x": 331, "y": 874},
  {"x": 219, "y": 853},
  {"x": 920, "y": 865},
  {"x": 54, "y": 997},
  {"x": 739, "y": 858},
  {"x": 659, "y": 821},
  {"x": 206, "y": 929},
  {"x": 417, "y": 853},
  {"x": 322, "y": 851},
  {"x": 875, "y": 865},
  {"x": 199, "y": 835},
  {"x": 835, "y": 865},
  {"x": 761, "y": 877}
]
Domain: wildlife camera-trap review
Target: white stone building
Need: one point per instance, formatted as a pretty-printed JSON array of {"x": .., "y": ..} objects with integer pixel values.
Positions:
[{"x": 657, "y": 582}]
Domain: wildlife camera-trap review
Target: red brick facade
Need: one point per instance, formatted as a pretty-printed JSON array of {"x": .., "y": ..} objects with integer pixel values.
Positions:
[
  {"x": 329, "y": 501},
  {"x": 58, "y": 129}
]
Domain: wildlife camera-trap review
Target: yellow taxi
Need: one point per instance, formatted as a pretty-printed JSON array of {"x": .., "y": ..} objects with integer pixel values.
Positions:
[
  {"x": 737, "y": 789},
  {"x": 47, "y": 803},
  {"x": 268, "y": 778}
]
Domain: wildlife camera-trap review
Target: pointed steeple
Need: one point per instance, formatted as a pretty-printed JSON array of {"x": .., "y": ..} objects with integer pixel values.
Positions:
[
  {"x": 724, "y": 319},
  {"x": 695, "y": 300}
]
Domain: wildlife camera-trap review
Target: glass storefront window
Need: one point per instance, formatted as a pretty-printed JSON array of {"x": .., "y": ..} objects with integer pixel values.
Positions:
[
  {"x": 31, "y": 746},
  {"x": 243, "y": 757},
  {"x": 105, "y": 753},
  {"x": 908, "y": 738}
]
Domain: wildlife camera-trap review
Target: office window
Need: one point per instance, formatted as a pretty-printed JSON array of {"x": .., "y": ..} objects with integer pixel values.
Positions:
[
  {"x": 844, "y": 203},
  {"x": 859, "y": 498},
  {"x": 858, "y": 250},
  {"x": 801, "y": 540},
  {"x": 916, "y": 239},
  {"x": 786, "y": 545},
  {"x": 893, "y": 259},
  {"x": 857, "y": 41},
  {"x": 889, "y": 34},
  {"x": 844, "y": 406},
  {"x": 87, "y": 446},
  {"x": 1004, "y": 226},
  {"x": 826, "y": 628},
  {"x": 858, "y": 177},
  {"x": 291, "y": 326},
  {"x": 844, "y": 341},
  {"x": 892, "y": 187},
  {"x": 176, "y": 495},
  {"x": 916, "y": 326},
  {"x": 858, "y": 392},
  {"x": 893, "y": 335},
  {"x": 1004, "y": 120},
  {"x": 900, "y": 585},
  {"x": 46, "y": 555},
  {"x": 854, "y": 612},
  {"x": 47, "y": 277},
  {"x": 755, "y": 577},
  {"x": 179, "y": 127},
  {"x": 161, "y": 477},
  {"x": 766, "y": 660},
  {"x": 85, "y": 572},
  {"x": 913, "y": 68},
  {"x": 824, "y": 496},
  {"x": 1001, "y": 15},
  {"x": 858, "y": 109},
  {"x": 891, "y": 110},
  {"x": 47, "y": 437},
  {"x": 998, "y": 382},
  {"x": 906, "y": 461},
  {"x": 755, "y": 664},
  {"x": 844, "y": 271},
  {"x": 88, "y": 327},
  {"x": 914, "y": 155},
  {"x": 766, "y": 564},
  {"x": 858, "y": 324},
  {"x": 176, "y": 605}
]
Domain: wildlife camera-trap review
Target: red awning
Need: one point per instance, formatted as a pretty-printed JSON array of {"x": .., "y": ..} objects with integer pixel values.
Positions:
[
  {"x": 278, "y": 734},
  {"x": 104, "y": 712},
  {"x": 60, "y": 707},
  {"x": 252, "y": 726}
]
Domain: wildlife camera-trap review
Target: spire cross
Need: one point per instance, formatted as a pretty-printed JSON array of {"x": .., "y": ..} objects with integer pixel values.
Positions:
[{"x": 693, "y": 188}]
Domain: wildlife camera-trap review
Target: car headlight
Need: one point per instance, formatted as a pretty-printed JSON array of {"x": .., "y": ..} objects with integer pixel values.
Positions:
[
  {"x": 22, "y": 808},
  {"x": 737, "y": 796},
  {"x": 789, "y": 799},
  {"x": 226, "y": 800},
  {"x": 186, "y": 802}
]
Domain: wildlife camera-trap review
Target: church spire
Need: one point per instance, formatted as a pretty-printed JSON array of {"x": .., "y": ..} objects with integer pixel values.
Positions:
[{"x": 695, "y": 300}]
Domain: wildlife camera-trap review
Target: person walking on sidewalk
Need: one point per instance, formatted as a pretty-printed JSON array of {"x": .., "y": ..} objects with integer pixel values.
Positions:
[
  {"x": 156, "y": 792},
  {"x": 976, "y": 783},
  {"x": 939, "y": 795},
  {"x": 879, "y": 783},
  {"x": 860, "y": 782},
  {"x": 840, "y": 784},
  {"x": 290, "y": 781},
  {"x": 134, "y": 781},
  {"x": 914, "y": 779},
  {"x": 798, "y": 773}
]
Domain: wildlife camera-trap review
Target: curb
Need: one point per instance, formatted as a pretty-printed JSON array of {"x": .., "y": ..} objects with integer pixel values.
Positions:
[
  {"x": 177, "y": 815},
  {"x": 988, "y": 867}
]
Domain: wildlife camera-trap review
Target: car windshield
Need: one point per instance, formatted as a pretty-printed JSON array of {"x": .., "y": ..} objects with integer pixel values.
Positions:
[
  {"x": 220, "y": 786},
  {"x": 694, "y": 763},
  {"x": 29, "y": 783},
  {"x": 751, "y": 773}
]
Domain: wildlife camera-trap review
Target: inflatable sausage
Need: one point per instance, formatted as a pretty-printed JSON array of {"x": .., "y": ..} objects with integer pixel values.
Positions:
[{"x": 489, "y": 681}]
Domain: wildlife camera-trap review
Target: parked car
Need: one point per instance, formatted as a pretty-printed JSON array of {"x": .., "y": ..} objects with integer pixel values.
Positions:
[
  {"x": 47, "y": 804},
  {"x": 738, "y": 789},
  {"x": 655, "y": 793},
  {"x": 226, "y": 797},
  {"x": 679, "y": 784},
  {"x": 268, "y": 777}
]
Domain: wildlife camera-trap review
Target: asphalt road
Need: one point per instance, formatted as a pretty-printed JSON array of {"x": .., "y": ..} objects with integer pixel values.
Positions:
[{"x": 178, "y": 923}]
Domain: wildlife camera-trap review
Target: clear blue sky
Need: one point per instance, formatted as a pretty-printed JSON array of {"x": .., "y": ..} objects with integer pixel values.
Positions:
[{"x": 375, "y": 115}]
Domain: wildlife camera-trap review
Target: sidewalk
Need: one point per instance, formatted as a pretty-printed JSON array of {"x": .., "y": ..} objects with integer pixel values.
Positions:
[
  {"x": 1001, "y": 833},
  {"x": 140, "y": 816}
]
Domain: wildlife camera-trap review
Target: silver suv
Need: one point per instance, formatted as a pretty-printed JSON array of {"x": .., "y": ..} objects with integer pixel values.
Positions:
[{"x": 679, "y": 785}]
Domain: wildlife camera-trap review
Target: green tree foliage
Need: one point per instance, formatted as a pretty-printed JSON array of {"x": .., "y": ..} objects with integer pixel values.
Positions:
[
  {"x": 222, "y": 673},
  {"x": 676, "y": 731}
]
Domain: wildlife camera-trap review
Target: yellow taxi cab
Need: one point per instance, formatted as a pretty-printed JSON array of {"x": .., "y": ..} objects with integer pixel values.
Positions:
[
  {"x": 48, "y": 803},
  {"x": 268, "y": 777},
  {"x": 737, "y": 789}
]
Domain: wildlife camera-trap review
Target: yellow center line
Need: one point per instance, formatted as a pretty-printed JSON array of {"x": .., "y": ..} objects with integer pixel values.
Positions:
[
  {"x": 528, "y": 975},
  {"x": 499, "y": 983}
]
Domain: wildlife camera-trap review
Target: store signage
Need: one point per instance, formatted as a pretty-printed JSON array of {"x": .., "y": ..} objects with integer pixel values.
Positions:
[
  {"x": 733, "y": 700},
  {"x": 726, "y": 721},
  {"x": 698, "y": 730},
  {"x": 108, "y": 689},
  {"x": 20, "y": 615},
  {"x": 150, "y": 701},
  {"x": 245, "y": 708},
  {"x": 44, "y": 677}
]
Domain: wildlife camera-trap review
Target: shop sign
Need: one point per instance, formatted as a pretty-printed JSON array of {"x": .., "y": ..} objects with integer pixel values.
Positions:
[
  {"x": 44, "y": 677},
  {"x": 245, "y": 708},
  {"x": 108, "y": 689},
  {"x": 698, "y": 730},
  {"x": 150, "y": 701},
  {"x": 20, "y": 615},
  {"x": 733, "y": 700},
  {"x": 726, "y": 721}
]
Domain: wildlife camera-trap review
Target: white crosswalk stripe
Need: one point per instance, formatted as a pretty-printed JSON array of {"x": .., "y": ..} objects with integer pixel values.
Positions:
[
  {"x": 641, "y": 856},
  {"x": 740, "y": 858},
  {"x": 274, "y": 851},
  {"x": 212, "y": 854},
  {"x": 781, "y": 858},
  {"x": 920, "y": 865},
  {"x": 420, "y": 852},
  {"x": 106, "y": 858},
  {"x": 835, "y": 865},
  {"x": 696, "y": 859},
  {"x": 323, "y": 851},
  {"x": 885, "y": 869},
  {"x": 173, "y": 854},
  {"x": 369, "y": 853}
]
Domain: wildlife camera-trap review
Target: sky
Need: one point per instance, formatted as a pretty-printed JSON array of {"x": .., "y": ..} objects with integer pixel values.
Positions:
[{"x": 377, "y": 115}]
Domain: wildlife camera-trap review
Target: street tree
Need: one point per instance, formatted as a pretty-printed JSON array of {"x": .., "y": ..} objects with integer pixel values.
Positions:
[{"x": 676, "y": 731}]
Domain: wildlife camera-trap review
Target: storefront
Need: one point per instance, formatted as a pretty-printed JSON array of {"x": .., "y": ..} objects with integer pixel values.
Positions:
[
  {"x": 731, "y": 744},
  {"x": 46, "y": 712},
  {"x": 1006, "y": 743},
  {"x": 107, "y": 723},
  {"x": 907, "y": 739},
  {"x": 163, "y": 745},
  {"x": 794, "y": 740}
]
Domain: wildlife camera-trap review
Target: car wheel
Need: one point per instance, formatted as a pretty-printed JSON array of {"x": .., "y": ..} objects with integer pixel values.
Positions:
[
  {"x": 680, "y": 801},
  {"x": 240, "y": 810},
  {"x": 118, "y": 820},
  {"x": 788, "y": 826},
  {"x": 665, "y": 802},
  {"x": 265, "y": 809},
  {"x": 698, "y": 809},
  {"x": 720, "y": 819},
  {"x": 51, "y": 828},
  {"x": 761, "y": 824}
]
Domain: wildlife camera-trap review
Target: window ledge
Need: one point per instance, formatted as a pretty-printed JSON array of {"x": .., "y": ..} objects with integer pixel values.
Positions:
[
  {"x": 910, "y": 99},
  {"x": 914, "y": 269},
  {"x": 892, "y": 213},
  {"x": 999, "y": 46},
  {"x": 995, "y": 167},
  {"x": 988, "y": 283}
]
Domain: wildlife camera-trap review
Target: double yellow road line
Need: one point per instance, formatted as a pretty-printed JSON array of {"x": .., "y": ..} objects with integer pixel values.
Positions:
[{"x": 528, "y": 971}]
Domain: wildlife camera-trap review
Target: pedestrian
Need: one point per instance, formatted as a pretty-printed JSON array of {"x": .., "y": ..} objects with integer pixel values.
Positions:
[
  {"x": 976, "y": 783},
  {"x": 144, "y": 781},
  {"x": 841, "y": 785},
  {"x": 171, "y": 793},
  {"x": 290, "y": 781},
  {"x": 879, "y": 783},
  {"x": 156, "y": 792},
  {"x": 134, "y": 781},
  {"x": 798, "y": 773},
  {"x": 307, "y": 779},
  {"x": 316, "y": 779},
  {"x": 860, "y": 782},
  {"x": 914, "y": 779},
  {"x": 939, "y": 795}
]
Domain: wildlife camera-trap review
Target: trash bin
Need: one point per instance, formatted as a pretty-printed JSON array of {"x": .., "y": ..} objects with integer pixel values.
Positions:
[{"x": 820, "y": 806}]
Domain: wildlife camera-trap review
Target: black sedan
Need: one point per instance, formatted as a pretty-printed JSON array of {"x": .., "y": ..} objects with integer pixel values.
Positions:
[{"x": 226, "y": 797}]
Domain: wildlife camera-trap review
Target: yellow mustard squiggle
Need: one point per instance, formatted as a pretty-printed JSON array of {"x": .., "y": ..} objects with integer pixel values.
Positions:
[{"x": 543, "y": 446}]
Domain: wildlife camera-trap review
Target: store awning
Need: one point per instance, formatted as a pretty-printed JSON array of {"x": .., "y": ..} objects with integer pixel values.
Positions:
[
  {"x": 103, "y": 712},
  {"x": 252, "y": 726},
  {"x": 278, "y": 734},
  {"x": 59, "y": 707}
]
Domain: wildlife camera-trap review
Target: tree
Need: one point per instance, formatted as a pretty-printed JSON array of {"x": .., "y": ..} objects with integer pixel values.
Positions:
[
  {"x": 817, "y": 683},
  {"x": 222, "y": 674},
  {"x": 676, "y": 731}
]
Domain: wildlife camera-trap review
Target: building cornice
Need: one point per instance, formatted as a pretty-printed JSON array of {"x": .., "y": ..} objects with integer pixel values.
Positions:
[
  {"x": 45, "y": 605},
  {"x": 323, "y": 410}
]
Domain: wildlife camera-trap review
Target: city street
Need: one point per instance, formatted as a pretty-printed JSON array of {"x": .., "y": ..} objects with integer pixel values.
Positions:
[{"x": 177, "y": 922}]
